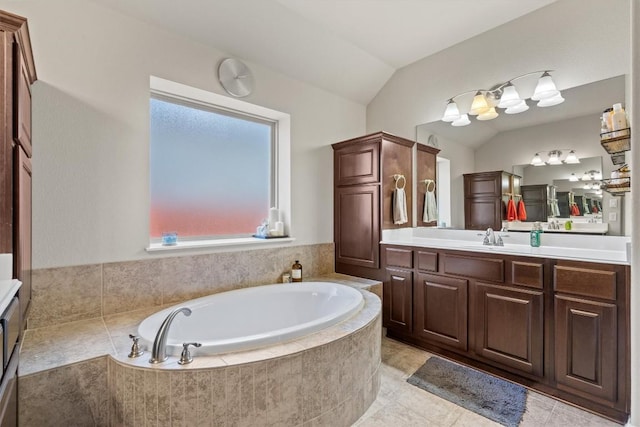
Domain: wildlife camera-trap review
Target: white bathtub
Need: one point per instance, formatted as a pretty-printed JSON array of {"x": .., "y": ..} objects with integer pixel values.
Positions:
[{"x": 255, "y": 317}]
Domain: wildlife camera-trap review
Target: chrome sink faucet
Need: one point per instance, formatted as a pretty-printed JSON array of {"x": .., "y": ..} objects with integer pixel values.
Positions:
[
  {"x": 159, "y": 349},
  {"x": 491, "y": 238}
]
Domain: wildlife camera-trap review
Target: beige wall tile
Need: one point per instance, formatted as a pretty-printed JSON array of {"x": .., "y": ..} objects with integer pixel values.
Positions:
[
  {"x": 73, "y": 395},
  {"x": 65, "y": 294},
  {"x": 132, "y": 285}
]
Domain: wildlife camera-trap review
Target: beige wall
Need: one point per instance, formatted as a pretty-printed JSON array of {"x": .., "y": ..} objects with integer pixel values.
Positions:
[
  {"x": 582, "y": 40},
  {"x": 90, "y": 130}
]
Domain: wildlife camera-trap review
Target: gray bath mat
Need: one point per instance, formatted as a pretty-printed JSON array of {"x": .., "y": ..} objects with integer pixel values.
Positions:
[{"x": 491, "y": 397}]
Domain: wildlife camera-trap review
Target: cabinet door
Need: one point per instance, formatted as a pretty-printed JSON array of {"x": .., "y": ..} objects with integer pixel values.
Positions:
[
  {"x": 397, "y": 300},
  {"x": 22, "y": 103},
  {"x": 586, "y": 346},
  {"x": 440, "y": 310},
  {"x": 357, "y": 225},
  {"x": 482, "y": 213},
  {"x": 357, "y": 164},
  {"x": 509, "y": 326},
  {"x": 22, "y": 226}
]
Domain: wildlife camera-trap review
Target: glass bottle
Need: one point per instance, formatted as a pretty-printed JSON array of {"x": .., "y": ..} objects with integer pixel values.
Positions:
[
  {"x": 534, "y": 236},
  {"x": 296, "y": 272}
]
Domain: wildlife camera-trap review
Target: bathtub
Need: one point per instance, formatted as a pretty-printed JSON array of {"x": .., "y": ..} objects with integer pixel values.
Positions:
[{"x": 255, "y": 317}]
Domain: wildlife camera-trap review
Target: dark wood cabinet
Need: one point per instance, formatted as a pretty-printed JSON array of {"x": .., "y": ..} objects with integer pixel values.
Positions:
[
  {"x": 591, "y": 330},
  {"x": 18, "y": 74},
  {"x": 538, "y": 200},
  {"x": 364, "y": 170},
  {"x": 440, "y": 310},
  {"x": 397, "y": 312},
  {"x": 509, "y": 326},
  {"x": 357, "y": 225},
  {"x": 557, "y": 326},
  {"x": 484, "y": 198},
  {"x": 586, "y": 347}
]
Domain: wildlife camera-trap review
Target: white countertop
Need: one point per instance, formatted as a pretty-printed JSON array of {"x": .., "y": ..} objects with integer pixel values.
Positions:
[
  {"x": 602, "y": 249},
  {"x": 8, "y": 289}
]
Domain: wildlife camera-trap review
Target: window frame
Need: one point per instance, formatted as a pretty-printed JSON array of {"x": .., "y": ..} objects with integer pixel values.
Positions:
[{"x": 178, "y": 93}]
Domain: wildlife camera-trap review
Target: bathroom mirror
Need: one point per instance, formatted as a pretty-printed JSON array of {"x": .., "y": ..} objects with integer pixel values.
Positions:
[{"x": 509, "y": 142}]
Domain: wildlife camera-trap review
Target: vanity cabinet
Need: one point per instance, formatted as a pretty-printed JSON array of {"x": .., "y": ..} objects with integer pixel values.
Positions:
[
  {"x": 557, "y": 326},
  {"x": 364, "y": 170},
  {"x": 509, "y": 326},
  {"x": 397, "y": 313},
  {"x": 440, "y": 305},
  {"x": 591, "y": 329}
]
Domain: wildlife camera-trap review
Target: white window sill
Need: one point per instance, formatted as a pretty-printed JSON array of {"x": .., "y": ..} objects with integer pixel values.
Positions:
[{"x": 203, "y": 244}]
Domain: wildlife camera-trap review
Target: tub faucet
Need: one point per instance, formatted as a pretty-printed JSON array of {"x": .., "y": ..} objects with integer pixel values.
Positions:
[{"x": 159, "y": 349}]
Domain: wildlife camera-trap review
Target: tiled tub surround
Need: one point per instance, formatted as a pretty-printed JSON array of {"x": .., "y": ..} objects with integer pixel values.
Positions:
[
  {"x": 67, "y": 379},
  {"x": 67, "y": 294}
]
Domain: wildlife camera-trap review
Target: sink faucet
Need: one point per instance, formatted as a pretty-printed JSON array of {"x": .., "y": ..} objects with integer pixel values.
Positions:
[
  {"x": 492, "y": 239},
  {"x": 159, "y": 350}
]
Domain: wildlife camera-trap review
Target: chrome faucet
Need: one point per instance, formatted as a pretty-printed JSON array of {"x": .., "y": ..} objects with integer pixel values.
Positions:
[
  {"x": 491, "y": 238},
  {"x": 159, "y": 349}
]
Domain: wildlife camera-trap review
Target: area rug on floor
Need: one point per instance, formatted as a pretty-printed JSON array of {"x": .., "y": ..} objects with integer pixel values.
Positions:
[{"x": 491, "y": 397}]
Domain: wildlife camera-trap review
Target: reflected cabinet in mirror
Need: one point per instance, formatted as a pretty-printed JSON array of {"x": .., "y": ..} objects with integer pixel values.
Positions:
[{"x": 567, "y": 134}]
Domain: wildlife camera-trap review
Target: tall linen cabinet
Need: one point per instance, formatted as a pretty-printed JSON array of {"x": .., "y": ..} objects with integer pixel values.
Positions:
[
  {"x": 17, "y": 75},
  {"x": 367, "y": 169}
]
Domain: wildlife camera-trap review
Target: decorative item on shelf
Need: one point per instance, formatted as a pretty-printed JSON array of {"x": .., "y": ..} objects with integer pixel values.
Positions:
[
  {"x": 169, "y": 238},
  {"x": 271, "y": 227},
  {"x": 555, "y": 158},
  {"x": 503, "y": 96}
]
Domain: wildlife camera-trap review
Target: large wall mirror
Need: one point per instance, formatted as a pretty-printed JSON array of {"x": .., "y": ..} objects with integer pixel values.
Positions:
[{"x": 509, "y": 142}]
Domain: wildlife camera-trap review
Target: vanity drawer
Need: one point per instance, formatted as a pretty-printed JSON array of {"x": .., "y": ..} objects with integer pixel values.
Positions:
[
  {"x": 11, "y": 328},
  {"x": 585, "y": 282},
  {"x": 478, "y": 268},
  {"x": 398, "y": 257},
  {"x": 525, "y": 273},
  {"x": 426, "y": 260}
]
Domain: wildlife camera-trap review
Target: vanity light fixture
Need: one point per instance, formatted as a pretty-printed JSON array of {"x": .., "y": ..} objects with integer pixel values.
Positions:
[
  {"x": 555, "y": 158},
  {"x": 504, "y": 96},
  {"x": 592, "y": 175},
  {"x": 573, "y": 177}
]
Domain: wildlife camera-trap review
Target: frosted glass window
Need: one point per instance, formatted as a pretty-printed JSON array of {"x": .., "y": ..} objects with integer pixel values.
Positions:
[{"x": 211, "y": 172}]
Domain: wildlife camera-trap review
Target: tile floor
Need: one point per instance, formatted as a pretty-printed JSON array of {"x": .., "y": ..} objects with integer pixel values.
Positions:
[{"x": 401, "y": 404}]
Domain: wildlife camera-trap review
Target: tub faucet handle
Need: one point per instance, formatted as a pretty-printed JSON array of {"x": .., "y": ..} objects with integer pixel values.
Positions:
[
  {"x": 185, "y": 357},
  {"x": 136, "y": 351}
]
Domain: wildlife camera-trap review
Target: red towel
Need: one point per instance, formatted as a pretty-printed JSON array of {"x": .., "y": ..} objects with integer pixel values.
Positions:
[
  {"x": 522, "y": 211},
  {"x": 511, "y": 211},
  {"x": 574, "y": 210}
]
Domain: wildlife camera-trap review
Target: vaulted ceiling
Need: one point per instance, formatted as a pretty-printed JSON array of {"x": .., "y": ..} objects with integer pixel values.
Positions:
[{"x": 348, "y": 47}]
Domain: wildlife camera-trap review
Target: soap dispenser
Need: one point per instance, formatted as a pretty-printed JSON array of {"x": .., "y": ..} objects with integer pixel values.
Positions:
[{"x": 296, "y": 272}]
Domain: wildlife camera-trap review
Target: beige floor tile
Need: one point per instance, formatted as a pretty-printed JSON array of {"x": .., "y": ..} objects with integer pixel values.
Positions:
[
  {"x": 471, "y": 419},
  {"x": 395, "y": 415},
  {"x": 401, "y": 404}
]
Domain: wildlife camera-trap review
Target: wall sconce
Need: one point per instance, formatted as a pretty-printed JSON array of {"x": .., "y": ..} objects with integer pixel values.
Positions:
[
  {"x": 504, "y": 96},
  {"x": 592, "y": 175},
  {"x": 555, "y": 158}
]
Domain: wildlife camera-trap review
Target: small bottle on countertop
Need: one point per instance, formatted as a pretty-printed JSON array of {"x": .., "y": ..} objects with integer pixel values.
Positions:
[
  {"x": 296, "y": 272},
  {"x": 534, "y": 236}
]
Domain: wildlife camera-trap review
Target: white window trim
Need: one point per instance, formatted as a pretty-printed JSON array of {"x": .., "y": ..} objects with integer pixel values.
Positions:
[{"x": 283, "y": 159}]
